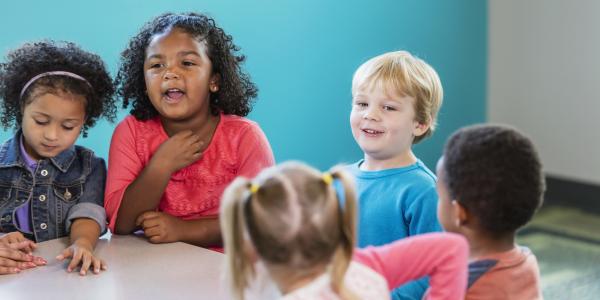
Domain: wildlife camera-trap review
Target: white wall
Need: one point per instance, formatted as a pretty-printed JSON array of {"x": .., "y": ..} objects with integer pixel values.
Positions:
[{"x": 544, "y": 78}]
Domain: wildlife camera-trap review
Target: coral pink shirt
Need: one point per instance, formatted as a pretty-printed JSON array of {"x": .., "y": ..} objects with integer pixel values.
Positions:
[
  {"x": 442, "y": 256},
  {"x": 238, "y": 147},
  {"x": 511, "y": 275}
]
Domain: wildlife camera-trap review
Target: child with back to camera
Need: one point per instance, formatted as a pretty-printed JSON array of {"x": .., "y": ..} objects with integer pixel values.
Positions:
[
  {"x": 490, "y": 184},
  {"x": 396, "y": 99},
  {"x": 289, "y": 220},
  {"x": 186, "y": 138},
  {"x": 49, "y": 187}
]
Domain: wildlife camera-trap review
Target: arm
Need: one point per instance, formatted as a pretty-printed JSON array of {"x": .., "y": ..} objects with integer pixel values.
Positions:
[
  {"x": 132, "y": 189},
  {"x": 86, "y": 221},
  {"x": 442, "y": 256}
]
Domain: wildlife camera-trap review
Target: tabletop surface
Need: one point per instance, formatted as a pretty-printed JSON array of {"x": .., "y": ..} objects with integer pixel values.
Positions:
[{"x": 137, "y": 269}]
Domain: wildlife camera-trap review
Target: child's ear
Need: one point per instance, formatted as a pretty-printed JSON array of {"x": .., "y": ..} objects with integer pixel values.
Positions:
[
  {"x": 214, "y": 83},
  {"x": 421, "y": 128},
  {"x": 461, "y": 215}
]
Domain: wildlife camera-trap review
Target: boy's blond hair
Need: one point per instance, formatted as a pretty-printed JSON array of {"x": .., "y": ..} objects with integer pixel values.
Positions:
[{"x": 403, "y": 74}]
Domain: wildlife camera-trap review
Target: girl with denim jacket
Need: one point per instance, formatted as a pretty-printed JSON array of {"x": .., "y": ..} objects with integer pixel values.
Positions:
[{"x": 49, "y": 187}]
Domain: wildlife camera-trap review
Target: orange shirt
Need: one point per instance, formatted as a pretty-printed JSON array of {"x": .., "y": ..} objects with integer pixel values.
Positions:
[
  {"x": 238, "y": 147},
  {"x": 511, "y": 275}
]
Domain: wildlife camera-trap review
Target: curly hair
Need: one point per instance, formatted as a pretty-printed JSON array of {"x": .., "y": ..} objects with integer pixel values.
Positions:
[
  {"x": 32, "y": 59},
  {"x": 236, "y": 89},
  {"x": 495, "y": 173}
]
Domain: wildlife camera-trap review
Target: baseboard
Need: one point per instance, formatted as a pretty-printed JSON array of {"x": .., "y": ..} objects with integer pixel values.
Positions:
[{"x": 572, "y": 193}]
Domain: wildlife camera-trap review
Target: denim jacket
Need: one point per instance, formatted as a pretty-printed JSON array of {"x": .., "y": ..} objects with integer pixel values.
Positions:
[{"x": 60, "y": 190}]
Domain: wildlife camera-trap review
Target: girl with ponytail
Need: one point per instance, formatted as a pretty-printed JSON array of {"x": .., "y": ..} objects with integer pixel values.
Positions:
[{"x": 291, "y": 220}]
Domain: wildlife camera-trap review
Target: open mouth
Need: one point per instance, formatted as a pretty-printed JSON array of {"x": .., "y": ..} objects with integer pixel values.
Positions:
[
  {"x": 371, "y": 132},
  {"x": 174, "y": 95}
]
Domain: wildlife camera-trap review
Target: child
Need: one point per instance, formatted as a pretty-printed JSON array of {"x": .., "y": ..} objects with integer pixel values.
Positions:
[
  {"x": 50, "y": 188},
  {"x": 289, "y": 219},
  {"x": 396, "y": 98},
  {"x": 490, "y": 184},
  {"x": 186, "y": 138}
]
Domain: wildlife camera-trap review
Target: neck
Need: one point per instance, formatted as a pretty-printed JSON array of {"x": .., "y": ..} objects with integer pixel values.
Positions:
[
  {"x": 404, "y": 159},
  {"x": 290, "y": 280},
  {"x": 204, "y": 126},
  {"x": 482, "y": 244}
]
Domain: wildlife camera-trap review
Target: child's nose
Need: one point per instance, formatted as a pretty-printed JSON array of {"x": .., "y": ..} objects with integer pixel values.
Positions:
[
  {"x": 51, "y": 133},
  {"x": 371, "y": 114},
  {"x": 171, "y": 74}
]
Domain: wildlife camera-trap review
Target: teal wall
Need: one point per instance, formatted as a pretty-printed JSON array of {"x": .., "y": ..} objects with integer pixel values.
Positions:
[{"x": 301, "y": 54}]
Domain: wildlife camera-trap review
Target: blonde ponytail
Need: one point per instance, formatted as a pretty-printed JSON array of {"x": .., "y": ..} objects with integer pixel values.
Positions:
[
  {"x": 347, "y": 225},
  {"x": 240, "y": 269}
]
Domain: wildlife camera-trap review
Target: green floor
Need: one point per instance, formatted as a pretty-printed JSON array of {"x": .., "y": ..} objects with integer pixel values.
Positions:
[{"x": 566, "y": 242}]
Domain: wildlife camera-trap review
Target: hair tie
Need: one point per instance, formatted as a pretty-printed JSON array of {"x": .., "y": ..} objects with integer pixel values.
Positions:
[
  {"x": 63, "y": 73},
  {"x": 327, "y": 177},
  {"x": 254, "y": 188}
]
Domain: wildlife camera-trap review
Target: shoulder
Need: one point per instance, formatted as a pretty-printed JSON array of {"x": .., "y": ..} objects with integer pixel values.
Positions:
[
  {"x": 238, "y": 129},
  {"x": 130, "y": 126},
  {"x": 88, "y": 155},
  {"x": 422, "y": 175},
  {"x": 233, "y": 123}
]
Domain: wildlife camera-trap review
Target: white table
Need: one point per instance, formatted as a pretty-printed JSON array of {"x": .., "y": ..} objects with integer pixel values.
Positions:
[{"x": 137, "y": 269}]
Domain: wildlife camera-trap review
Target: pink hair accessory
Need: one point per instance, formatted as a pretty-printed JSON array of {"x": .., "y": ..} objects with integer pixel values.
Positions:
[{"x": 53, "y": 73}]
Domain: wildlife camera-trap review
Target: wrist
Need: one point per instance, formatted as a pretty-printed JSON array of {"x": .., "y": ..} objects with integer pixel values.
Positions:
[
  {"x": 84, "y": 243},
  {"x": 159, "y": 166},
  {"x": 181, "y": 229}
]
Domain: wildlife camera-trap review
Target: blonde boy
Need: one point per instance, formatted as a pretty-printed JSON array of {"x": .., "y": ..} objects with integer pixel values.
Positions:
[{"x": 396, "y": 99}]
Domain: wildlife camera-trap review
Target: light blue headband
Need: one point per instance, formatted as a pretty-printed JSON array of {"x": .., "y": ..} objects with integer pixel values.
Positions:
[{"x": 63, "y": 73}]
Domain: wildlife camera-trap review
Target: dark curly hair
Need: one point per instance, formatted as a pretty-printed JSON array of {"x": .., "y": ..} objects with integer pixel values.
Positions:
[
  {"x": 236, "y": 90},
  {"x": 495, "y": 173},
  {"x": 35, "y": 58}
]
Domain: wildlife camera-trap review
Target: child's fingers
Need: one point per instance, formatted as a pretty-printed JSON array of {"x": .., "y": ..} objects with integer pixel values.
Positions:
[
  {"x": 15, "y": 237},
  {"x": 143, "y": 217},
  {"x": 87, "y": 261},
  {"x": 24, "y": 246},
  {"x": 155, "y": 239},
  {"x": 77, "y": 257},
  {"x": 9, "y": 270},
  {"x": 152, "y": 231},
  {"x": 39, "y": 261},
  {"x": 5, "y": 262},
  {"x": 99, "y": 265},
  {"x": 14, "y": 254},
  {"x": 65, "y": 254}
]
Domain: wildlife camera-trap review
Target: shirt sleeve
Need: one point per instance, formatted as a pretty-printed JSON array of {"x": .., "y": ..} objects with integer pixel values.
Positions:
[
  {"x": 442, "y": 256},
  {"x": 124, "y": 165},
  {"x": 254, "y": 151},
  {"x": 91, "y": 204}
]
